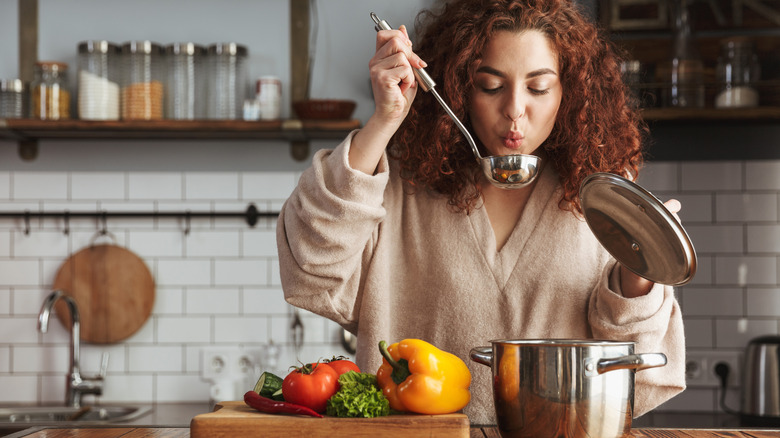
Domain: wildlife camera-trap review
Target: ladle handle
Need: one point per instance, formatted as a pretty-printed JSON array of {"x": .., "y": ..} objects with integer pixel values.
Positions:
[
  {"x": 427, "y": 84},
  {"x": 425, "y": 81}
]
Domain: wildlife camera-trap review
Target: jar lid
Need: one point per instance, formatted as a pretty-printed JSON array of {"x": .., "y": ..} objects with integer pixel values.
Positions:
[
  {"x": 145, "y": 47},
  {"x": 184, "y": 49},
  {"x": 228, "y": 49},
  {"x": 98, "y": 46},
  {"x": 14, "y": 85},
  {"x": 52, "y": 65}
]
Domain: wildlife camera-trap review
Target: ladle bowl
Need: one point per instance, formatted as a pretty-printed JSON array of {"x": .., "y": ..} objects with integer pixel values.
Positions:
[
  {"x": 505, "y": 171},
  {"x": 510, "y": 171}
]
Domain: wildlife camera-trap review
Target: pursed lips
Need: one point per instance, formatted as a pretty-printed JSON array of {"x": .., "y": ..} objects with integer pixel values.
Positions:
[{"x": 513, "y": 140}]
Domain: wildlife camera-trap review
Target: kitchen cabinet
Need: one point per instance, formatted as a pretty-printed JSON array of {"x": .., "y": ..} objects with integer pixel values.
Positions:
[
  {"x": 643, "y": 30},
  {"x": 298, "y": 133}
]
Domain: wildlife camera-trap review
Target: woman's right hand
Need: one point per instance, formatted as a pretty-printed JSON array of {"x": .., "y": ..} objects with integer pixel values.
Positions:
[
  {"x": 392, "y": 75},
  {"x": 394, "y": 86}
]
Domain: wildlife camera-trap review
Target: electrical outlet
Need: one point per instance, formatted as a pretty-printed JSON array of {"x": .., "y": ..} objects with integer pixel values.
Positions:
[
  {"x": 733, "y": 360},
  {"x": 700, "y": 368},
  {"x": 216, "y": 363},
  {"x": 227, "y": 363},
  {"x": 696, "y": 369},
  {"x": 247, "y": 362}
]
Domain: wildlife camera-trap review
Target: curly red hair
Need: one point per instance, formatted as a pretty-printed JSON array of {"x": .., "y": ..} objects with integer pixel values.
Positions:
[{"x": 596, "y": 130}]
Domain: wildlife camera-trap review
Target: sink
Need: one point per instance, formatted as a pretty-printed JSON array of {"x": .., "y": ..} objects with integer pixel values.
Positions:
[{"x": 49, "y": 415}]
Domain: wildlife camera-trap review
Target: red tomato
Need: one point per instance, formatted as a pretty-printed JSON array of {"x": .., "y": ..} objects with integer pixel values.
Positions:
[
  {"x": 311, "y": 385},
  {"x": 342, "y": 364}
]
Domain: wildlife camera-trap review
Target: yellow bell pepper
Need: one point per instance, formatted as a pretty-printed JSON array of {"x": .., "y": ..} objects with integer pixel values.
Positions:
[{"x": 417, "y": 377}]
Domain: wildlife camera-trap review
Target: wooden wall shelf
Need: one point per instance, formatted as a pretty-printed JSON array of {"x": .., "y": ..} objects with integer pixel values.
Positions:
[
  {"x": 27, "y": 132},
  {"x": 740, "y": 115},
  {"x": 298, "y": 133},
  {"x": 286, "y": 130}
]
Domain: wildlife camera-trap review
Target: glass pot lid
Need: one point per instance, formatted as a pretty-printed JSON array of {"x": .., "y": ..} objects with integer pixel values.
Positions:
[{"x": 637, "y": 229}]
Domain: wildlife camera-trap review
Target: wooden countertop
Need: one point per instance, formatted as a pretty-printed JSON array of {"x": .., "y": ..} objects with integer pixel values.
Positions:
[{"x": 476, "y": 432}]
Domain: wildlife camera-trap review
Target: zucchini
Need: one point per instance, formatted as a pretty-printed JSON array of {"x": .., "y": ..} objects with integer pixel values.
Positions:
[
  {"x": 277, "y": 395},
  {"x": 268, "y": 384}
]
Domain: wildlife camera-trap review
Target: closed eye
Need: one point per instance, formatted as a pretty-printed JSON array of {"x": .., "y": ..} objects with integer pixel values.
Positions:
[
  {"x": 493, "y": 90},
  {"x": 537, "y": 92}
]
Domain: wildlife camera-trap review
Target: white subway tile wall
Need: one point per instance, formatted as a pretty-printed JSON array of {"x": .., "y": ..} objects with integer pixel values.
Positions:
[
  {"x": 730, "y": 211},
  {"x": 217, "y": 281},
  {"x": 218, "y": 285}
]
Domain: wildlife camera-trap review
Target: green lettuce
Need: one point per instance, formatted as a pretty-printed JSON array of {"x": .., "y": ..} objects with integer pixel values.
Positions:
[{"x": 358, "y": 397}]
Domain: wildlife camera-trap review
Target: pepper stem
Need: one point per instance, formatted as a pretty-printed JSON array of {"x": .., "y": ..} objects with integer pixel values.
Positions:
[{"x": 400, "y": 367}]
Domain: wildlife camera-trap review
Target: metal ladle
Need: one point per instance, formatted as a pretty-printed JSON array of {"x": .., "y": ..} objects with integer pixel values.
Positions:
[{"x": 505, "y": 171}]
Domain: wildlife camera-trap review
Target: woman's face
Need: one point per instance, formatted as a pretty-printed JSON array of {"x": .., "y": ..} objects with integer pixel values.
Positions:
[{"x": 517, "y": 93}]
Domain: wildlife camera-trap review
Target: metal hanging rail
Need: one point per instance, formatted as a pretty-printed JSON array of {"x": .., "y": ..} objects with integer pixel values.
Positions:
[{"x": 251, "y": 215}]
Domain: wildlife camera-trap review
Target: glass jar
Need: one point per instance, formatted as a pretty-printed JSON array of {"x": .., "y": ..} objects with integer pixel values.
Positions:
[
  {"x": 269, "y": 96},
  {"x": 142, "y": 83},
  {"x": 738, "y": 71},
  {"x": 227, "y": 76},
  {"x": 186, "y": 80},
  {"x": 98, "y": 81},
  {"x": 631, "y": 71},
  {"x": 12, "y": 99},
  {"x": 685, "y": 70},
  {"x": 49, "y": 92}
]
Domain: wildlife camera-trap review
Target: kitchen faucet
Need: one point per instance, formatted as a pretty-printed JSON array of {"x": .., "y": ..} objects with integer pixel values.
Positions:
[{"x": 76, "y": 384}]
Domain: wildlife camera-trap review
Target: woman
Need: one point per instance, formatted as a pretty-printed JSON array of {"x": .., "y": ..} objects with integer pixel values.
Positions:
[{"x": 397, "y": 234}]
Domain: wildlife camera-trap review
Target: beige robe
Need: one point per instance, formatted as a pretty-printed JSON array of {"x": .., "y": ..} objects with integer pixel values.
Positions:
[{"x": 387, "y": 265}]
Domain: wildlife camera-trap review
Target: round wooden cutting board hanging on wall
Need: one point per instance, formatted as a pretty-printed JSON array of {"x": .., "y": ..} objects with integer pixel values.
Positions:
[{"x": 113, "y": 289}]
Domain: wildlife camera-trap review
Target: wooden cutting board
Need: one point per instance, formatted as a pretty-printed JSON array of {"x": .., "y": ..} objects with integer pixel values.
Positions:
[
  {"x": 236, "y": 419},
  {"x": 113, "y": 289}
]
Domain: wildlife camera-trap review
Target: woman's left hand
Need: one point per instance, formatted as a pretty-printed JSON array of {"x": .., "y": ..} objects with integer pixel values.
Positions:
[{"x": 633, "y": 285}]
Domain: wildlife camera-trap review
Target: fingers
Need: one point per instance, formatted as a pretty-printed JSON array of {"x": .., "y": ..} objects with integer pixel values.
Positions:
[
  {"x": 674, "y": 206},
  {"x": 393, "y": 77},
  {"x": 390, "y": 42}
]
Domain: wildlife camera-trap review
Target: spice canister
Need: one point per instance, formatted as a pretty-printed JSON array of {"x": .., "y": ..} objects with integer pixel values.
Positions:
[
  {"x": 49, "y": 92},
  {"x": 737, "y": 72},
  {"x": 269, "y": 96},
  {"x": 227, "y": 80},
  {"x": 142, "y": 82},
  {"x": 185, "y": 81},
  {"x": 98, "y": 81},
  {"x": 12, "y": 99}
]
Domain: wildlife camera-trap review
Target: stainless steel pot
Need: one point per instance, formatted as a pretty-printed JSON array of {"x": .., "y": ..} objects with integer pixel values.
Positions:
[{"x": 564, "y": 388}]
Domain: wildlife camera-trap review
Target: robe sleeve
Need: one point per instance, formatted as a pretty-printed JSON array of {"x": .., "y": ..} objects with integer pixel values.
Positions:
[
  {"x": 654, "y": 322},
  {"x": 325, "y": 233}
]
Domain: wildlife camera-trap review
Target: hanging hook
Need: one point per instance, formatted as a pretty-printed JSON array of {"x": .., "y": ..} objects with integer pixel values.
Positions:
[
  {"x": 104, "y": 221},
  {"x": 66, "y": 218},
  {"x": 187, "y": 217},
  {"x": 103, "y": 231},
  {"x": 27, "y": 222}
]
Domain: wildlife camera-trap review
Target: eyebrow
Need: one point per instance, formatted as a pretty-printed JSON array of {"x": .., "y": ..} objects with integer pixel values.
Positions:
[{"x": 533, "y": 74}]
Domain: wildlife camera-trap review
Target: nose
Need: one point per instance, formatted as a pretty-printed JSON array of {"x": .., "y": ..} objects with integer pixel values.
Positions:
[{"x": 514, "y": 108}]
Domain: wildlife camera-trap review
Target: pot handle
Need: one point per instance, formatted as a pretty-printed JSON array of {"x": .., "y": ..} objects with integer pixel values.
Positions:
[
  {"x": 483, "y": 355},
  {"x": 637, "y": 362}
]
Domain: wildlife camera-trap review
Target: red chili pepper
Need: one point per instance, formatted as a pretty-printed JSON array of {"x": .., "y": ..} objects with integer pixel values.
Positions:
[{"x": 269, "y": 406}]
